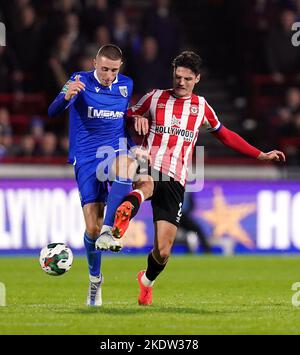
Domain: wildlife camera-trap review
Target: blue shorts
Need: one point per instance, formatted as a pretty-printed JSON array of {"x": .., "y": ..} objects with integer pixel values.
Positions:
[
  {"x": 93, "y": 179},
  {"x": 90, "y": 188}
]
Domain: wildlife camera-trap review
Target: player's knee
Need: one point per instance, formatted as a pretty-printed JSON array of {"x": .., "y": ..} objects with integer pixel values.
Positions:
[
  {"x": 148, "y": 189},
  {"x": 146, "y": 186}
]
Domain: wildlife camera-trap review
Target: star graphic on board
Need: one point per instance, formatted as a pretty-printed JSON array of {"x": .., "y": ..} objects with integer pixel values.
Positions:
[{"x": 226, "y": 218}]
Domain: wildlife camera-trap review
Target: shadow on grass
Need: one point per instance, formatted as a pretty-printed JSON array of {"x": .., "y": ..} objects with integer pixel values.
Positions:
[{"x": 121, "y": 310}]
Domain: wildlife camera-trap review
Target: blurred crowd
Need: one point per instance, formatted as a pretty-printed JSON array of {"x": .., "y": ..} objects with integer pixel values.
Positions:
[
  {"x": 269, "y": 50},
  {"x": 48, "y": 40}
]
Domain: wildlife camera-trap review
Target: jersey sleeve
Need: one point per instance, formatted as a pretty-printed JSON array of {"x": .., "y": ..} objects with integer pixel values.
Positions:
[
  {"x": 210, "y": 122},
  {"x": 142, "y": 106},
  {"x": 236, "y": 142},
  {"x": 60, "y": 103}
]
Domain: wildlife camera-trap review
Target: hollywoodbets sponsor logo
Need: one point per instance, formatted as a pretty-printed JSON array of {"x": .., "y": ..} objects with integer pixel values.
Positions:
[{"x": 173, "y": 131}]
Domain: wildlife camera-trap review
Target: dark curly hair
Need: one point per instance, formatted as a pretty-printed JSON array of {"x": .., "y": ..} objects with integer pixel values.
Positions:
[{"x": 190, "y": 60}]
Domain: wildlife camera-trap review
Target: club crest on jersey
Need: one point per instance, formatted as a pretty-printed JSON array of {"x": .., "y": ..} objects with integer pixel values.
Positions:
[
  {"x": 194, "y": 110},
  {"x": 123, "y": 91}
]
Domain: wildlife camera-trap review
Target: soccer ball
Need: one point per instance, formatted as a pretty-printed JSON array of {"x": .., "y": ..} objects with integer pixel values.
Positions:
[{"x": 56, "y": 259}]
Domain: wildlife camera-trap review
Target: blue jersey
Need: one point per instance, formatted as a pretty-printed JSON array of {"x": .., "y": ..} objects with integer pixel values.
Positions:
[{"x": 96, "y": 114}]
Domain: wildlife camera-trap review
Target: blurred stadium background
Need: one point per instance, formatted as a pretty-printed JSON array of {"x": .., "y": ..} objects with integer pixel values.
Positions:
[{"x": 251, "y": 77}]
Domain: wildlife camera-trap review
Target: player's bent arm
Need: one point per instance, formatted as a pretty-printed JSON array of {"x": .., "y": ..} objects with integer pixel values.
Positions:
[
  {"x": 58, "y": 105},
  {"x": 67, "y": 96},
  {"x": 237, "y": 143}
]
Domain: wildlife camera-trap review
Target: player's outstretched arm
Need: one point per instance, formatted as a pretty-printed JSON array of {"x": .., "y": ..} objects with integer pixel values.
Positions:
[
  {"x": 237, "y": 143},
  {"x": 63, "y": 99}
]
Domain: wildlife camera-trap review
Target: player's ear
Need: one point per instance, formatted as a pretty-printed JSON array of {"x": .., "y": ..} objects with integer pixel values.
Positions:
[
  {"x": 198, "y": 78},
  {"x": 94, "y": 63}
]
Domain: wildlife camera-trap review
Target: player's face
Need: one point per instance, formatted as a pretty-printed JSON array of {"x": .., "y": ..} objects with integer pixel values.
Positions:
[
  {"x": 107, "y": 69},
  {"x": 184, "y": 81}
]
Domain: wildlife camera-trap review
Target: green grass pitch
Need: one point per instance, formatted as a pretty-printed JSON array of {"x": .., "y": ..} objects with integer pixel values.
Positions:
[{"x": 194, "y": 295}]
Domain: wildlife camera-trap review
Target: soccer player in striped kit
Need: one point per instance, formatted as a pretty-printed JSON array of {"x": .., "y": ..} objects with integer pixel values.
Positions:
[{"x": 176, "y": 117}]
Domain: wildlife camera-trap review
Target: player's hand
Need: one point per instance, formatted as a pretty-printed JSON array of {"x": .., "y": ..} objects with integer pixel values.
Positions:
[
  {"x": 274, "y": 155},
  {"x": 74, "y": 88},
  {"x": 141, "y": 124},
  {"x": 141, "y": 154}
]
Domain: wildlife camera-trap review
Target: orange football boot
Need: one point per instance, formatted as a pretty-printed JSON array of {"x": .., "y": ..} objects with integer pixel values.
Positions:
[
  {"x": 145, "y": 296},
  {"x": 122, "y": 219}
]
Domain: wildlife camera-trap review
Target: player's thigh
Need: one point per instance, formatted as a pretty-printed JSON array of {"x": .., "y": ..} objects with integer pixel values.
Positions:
[
  {"x": 91, "y": 189},
  {"x": 167, "y": 201},
  {"x": 93, "y": 216}
]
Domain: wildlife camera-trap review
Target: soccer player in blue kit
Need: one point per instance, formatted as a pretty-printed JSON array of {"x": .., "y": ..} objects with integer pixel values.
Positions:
[{"x": 98, "y": 101}]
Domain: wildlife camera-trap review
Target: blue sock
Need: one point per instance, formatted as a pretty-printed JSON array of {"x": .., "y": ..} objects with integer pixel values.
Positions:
[
  {"x": 118, "y": 191},
  {"x": 93, "y": 256}
]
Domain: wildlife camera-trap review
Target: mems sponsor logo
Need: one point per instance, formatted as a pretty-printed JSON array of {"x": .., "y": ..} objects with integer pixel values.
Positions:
[{"x": 108, "y": 114}]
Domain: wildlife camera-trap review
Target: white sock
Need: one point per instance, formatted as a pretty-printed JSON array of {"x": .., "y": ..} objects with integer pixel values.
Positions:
[
  {"x": 146, "y": 281},
  {"x": 95, "y": 278}
]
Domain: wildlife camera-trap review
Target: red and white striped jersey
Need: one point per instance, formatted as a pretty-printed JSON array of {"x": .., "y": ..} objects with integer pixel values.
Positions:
[{"x": 175, "y": 124}]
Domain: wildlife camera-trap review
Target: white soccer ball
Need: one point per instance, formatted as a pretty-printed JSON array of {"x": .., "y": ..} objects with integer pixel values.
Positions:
[{"x": 56, "y": 259}]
